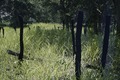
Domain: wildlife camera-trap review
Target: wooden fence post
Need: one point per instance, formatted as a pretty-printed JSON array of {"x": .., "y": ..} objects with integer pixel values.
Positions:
[
  {"x": 78, "y": 45},
  {"x": 21, "y": 39},
  {"x": 105, "y": 42}
]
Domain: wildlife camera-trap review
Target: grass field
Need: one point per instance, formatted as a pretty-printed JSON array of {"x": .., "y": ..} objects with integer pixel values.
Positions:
[{"x": 49, "y": 55}]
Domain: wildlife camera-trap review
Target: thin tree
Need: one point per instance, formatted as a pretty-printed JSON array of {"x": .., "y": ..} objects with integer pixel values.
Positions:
[
  {"x": 21, "y": 39},
  {"x": 105, "y": 41},
  {"x": 73, "y": 37},
  {"x": 78, "y": 45}
]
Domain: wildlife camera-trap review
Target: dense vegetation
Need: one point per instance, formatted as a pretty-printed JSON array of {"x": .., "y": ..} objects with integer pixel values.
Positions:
[
  {"x": 48, "y": 55},
  {"x": 59, "y": 39}
]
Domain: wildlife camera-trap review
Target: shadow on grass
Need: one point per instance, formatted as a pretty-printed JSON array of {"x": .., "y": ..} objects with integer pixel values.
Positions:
[{"x": 16, "y": 54}]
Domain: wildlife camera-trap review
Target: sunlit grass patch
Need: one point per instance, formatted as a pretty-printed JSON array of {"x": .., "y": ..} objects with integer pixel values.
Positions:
[{"x": 47, "y": 25}]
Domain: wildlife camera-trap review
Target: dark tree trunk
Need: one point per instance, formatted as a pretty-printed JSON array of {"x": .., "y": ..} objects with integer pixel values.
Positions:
[
  {"x": 67, "y": 26},
  {"x": 78, "y": 45},
  {"x": 3, "y": 31},
  {"x": 63, "y": 24},
  {"x": 105, "y": 42},
  {"x": 62, "y": 12},
  {"x": 67, "y": 23},
  {"x": 99, "y": 25},
  {"x": 118, "y": 27},
  {"x": 21, "y": 39},
  {"x": 14, "y": 28},
  {"x": 95, "y": 28},
  {"x": 0, "y": 29},
  {"x": 73, "y": 37}
]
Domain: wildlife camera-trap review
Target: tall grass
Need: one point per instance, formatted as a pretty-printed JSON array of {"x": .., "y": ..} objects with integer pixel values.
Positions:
[
  {"x": 46, "y": 49},
  {"x": 49, "y": 54}
]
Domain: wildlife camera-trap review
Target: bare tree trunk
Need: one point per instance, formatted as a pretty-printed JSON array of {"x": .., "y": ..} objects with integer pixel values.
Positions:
[
  {"x": 21, "y": 39},
  {"x": 99, "y": 25},
  {"x": 118, "y": 26},
  {"x": 63, "y": 24},
  {"x": 62, "y": 12},
  {"x": 105, "y": 42},
  {"x": 73, "y": 37},
  {"x": 95, "y": 28},
  {"x": 78, "y": 45},
  {"x": 67, "y": 23}
]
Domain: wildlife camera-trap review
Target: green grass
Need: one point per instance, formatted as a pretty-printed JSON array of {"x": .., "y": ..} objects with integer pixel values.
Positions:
[{"x": 49, "y": 53}]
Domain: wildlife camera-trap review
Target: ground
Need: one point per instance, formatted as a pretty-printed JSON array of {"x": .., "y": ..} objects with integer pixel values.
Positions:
[{"x": 49, "y": 54}]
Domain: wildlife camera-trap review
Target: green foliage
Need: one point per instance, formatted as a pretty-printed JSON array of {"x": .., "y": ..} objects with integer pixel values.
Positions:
[
  {"x": 45, "y": 49},
  {"x": 46, "y": 10},
  {"x": 49, "y": 55},
  {"x": 13, "y": 8},
  {"x": 116, "y": 61}
]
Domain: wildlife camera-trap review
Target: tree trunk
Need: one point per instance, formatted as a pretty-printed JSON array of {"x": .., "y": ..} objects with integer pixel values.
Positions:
[
  {"x": 21, "y": 39},
  {"x": 85, "y": 28},
  {"x": 117, "y": 14},
  {"x": 95, "y": 28},
  {"x": 62, "y": 12},
  {"x": 78, "y": 45},
  {"x": 99, "y": 24},
  {"x": 63, "y": 24},
  {"x": 105, "y": 42},
  {"x": 73, "y": 37},
  {"x": 0, "y": 30},
  {"x": 118, "y": 25},
  {"x": 67, "y": 23}
]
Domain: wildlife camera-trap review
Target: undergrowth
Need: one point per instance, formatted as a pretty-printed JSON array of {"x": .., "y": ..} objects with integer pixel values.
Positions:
[{"x": 49, "y": 55}]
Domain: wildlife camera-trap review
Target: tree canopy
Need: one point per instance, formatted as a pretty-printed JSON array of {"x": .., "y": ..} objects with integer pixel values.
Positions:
[{"x": 61, "y": 11}]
